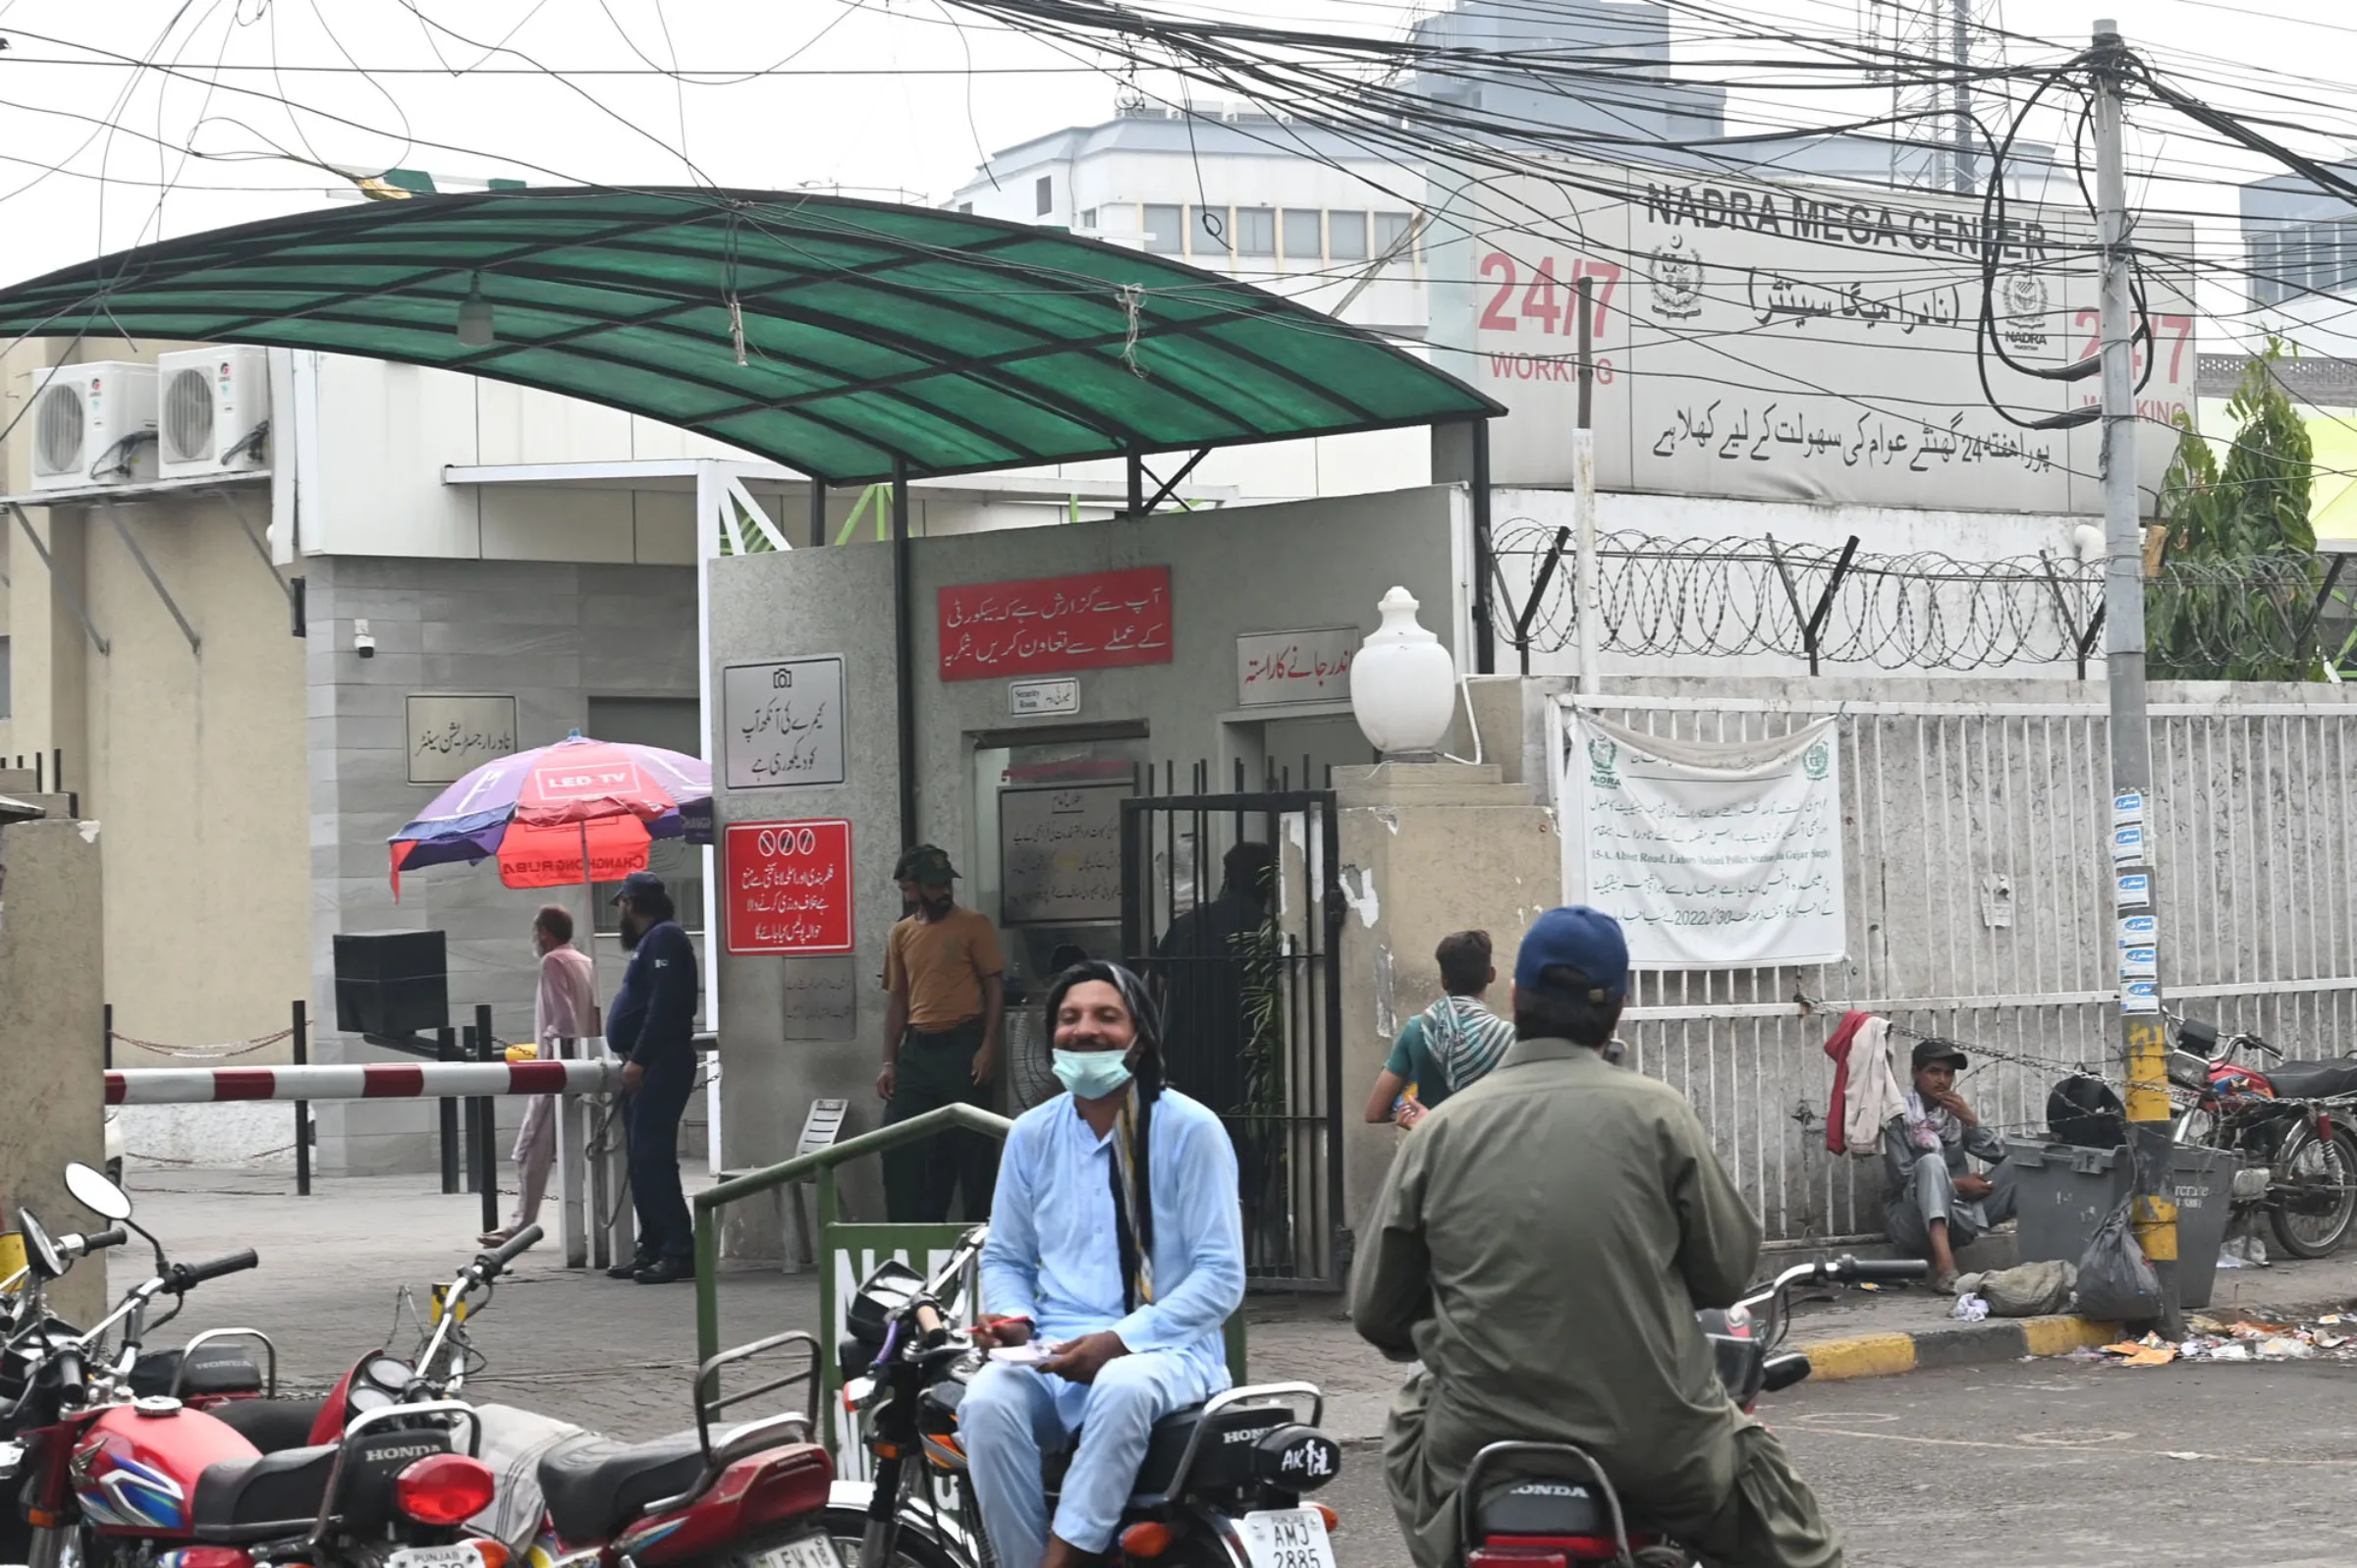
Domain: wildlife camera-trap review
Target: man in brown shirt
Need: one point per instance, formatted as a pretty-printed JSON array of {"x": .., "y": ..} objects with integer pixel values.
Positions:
[{"x": 940, "y": 1042}]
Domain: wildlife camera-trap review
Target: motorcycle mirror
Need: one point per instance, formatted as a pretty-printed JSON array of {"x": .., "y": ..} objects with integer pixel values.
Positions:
[
  {"x": 39, "y": 1251},
  {"x": 92, "y": 1190}
]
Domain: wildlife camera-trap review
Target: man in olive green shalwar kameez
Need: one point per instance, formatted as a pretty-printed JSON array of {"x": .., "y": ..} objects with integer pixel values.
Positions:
[{"x": 1540, "y": 1246}]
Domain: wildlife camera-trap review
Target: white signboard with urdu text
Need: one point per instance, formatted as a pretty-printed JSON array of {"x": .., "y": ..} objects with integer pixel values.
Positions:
[
  {"x": 1311, "y": 665},
  {"x": 1712, "y": 857},
  {"x": 1059, "y": 853},
  {"x": 1774, "y": 339},
  {"x": 781, "y": 724},
  {"x": 449, "y": 735}
]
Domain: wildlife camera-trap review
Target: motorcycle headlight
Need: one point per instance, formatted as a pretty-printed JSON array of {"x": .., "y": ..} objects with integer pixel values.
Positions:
[{"x": 859, "y": 1393}]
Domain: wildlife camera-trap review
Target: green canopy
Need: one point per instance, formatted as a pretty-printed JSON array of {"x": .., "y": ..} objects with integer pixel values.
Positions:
[{"x": 873, "y": 335}]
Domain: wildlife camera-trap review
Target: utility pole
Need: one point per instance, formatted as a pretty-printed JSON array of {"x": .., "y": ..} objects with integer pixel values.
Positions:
[
  {"x": 2135, "y": 898},
  {"x": 1961, "y": 20},
  {"x": 1583, "y": 495}
]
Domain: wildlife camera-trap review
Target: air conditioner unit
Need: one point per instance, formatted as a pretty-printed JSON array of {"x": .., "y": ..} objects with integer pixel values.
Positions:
[
  {"x": 216, "y": 410},
  {"x": 94, "y": 424}
]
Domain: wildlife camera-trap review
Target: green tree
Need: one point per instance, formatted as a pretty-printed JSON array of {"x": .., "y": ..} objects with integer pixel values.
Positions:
[{"x": 2239, "y": 577}]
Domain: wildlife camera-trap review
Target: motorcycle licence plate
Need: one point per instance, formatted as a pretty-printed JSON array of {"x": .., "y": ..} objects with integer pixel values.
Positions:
[
  {"x": 458, "y": 1555},
  {"x": 1287, "y": 1538},
  {"x": 811, "y": 1551}
]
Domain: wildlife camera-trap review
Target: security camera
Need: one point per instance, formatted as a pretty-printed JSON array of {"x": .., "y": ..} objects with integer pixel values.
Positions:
[{"x": 362, "y": 643}]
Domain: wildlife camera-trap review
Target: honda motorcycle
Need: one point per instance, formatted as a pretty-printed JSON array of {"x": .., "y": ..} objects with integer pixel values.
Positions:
[
  {"x": 1558, "y": 1508},
  {"x": 2288, "y": 1120},
  {"x": 1221, "y": 1485}
]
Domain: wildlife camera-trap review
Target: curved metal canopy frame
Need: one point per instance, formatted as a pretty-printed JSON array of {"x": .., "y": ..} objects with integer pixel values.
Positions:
[{"x": 852, "y": 341}]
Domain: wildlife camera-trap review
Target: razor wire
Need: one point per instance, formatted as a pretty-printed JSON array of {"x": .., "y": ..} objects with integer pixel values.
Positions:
[{"x": 1728, "y": 597}]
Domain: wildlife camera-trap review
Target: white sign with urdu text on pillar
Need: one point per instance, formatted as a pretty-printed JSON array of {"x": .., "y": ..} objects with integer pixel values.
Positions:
[
  {"x": 781, "y": 724},
  {"x": 1312, "y": 665},
  {"x": 1712, "y": 857}
]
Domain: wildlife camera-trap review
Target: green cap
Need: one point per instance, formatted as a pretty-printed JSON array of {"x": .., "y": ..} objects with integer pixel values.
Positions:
[{"x": 926, "y": 865}]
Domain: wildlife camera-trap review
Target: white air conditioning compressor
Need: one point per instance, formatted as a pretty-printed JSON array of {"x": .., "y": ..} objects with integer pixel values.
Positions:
[
  {"x": 216, "y": 410},
  {"x": 93, "y": 424}
]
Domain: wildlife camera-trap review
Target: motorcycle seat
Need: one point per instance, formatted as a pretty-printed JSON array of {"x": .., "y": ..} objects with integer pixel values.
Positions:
[
  {"x": 270, "y": 1425},
  {"x": 2313, "y": 1080},
  {"x": 217, "y": 1370},
  {"x": 1166, "y": 1446},
  {"x": 1543, "y": 1506},
  {"x": 594, "y": 1485},
  {"x": 265, "y": 1496}
]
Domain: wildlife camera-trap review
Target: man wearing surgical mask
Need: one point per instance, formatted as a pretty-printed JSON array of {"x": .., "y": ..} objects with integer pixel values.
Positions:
[{"x": 1117, "y": 1246}]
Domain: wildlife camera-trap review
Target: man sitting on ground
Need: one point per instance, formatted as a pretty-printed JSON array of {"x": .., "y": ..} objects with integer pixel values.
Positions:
[{"x": 1933, "y": 1202}]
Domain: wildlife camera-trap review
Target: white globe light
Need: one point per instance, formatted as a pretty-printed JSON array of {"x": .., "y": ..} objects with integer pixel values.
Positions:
[{"x": 1402, "y": 685}]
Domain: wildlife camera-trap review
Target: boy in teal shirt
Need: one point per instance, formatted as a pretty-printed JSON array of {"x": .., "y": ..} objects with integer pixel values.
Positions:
[{"x": 1417, "y": 1076}]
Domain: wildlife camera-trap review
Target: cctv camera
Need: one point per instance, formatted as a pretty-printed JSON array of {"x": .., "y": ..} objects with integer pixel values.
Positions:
[{"x": 363, "y": 644}]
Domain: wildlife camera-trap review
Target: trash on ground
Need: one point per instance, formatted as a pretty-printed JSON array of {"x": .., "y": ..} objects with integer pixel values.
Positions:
[
  {"x": 1969, "y": 1308},
  {"x": 2026, "y": 1290},
  {"x": 2332, "y": 1335},
  {"x": 2150, "y": 1351},
  {"x": 2243, "y": 1252}
]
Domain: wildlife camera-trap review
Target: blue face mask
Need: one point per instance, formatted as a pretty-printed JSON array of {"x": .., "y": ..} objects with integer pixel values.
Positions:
[{"x": 1092, "y": 1074}]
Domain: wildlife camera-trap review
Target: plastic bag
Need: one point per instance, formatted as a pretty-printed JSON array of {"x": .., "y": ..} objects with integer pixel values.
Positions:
[{"x": 2117, "y": 1281}]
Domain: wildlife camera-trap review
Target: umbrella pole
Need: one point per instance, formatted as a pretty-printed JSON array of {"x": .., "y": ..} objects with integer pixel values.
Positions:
[{"x": 589, "y": 900}]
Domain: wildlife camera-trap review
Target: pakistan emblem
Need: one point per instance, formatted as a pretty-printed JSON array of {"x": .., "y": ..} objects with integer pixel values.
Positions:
[
  {"x": 1601, "y": 757},
  {"x": 2025, "y": 300},
  {"x": 1677, "y": 281},
  {"x": 1816, "y": 760}
]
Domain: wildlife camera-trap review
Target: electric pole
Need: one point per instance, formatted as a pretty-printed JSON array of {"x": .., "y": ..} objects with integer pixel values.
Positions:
[{"x": 2135, "y": 895}]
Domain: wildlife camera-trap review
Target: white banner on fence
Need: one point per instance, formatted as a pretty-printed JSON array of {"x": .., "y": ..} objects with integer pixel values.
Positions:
[{"x": 1712, "y": 857}]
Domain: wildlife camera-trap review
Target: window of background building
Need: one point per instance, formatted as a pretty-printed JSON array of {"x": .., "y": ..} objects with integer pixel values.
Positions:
[
  {"x": 1347, "y": 235},
  {"x": 1045, "y": 195},
  {"x": 1256, "y": 231},
  {"x": 1208, "y": 226},
  {"x": 1304, "y": 235},
  {"x": 671, "y": 723},
  {"x": 1163, "y": 235},
  {"x": 1389, "y": 229},
  {"x": 1088, "y": 219}
]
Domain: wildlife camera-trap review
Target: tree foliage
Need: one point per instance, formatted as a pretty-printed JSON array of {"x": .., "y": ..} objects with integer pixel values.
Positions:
[{"x": 2240, "y": 563}]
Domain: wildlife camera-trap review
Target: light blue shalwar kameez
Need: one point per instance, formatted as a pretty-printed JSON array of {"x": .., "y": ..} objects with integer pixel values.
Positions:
[{"x": 1054, "y": 1256}]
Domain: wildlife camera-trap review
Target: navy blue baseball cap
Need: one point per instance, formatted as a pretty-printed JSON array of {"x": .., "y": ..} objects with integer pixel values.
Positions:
[
  {"x": 1574, "y": 954},
  {"x": 638, "y": 882}
]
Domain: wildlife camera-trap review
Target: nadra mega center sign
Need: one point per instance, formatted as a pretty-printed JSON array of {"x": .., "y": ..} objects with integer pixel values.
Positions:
[{"x": 1761, "y": 338}]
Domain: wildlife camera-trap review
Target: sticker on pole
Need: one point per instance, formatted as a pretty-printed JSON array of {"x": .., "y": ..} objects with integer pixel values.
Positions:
[
  {"x": 2127, "y": 808},
  {"x": 2127, "y": 844},
  {"x": 2133, "y": 890},
  {"x": 788, "y": 887},
  {"x": 2139, "y": 931},
  {"x": 2139, "y": 964},
  {"x": 2139, "y": 997}
]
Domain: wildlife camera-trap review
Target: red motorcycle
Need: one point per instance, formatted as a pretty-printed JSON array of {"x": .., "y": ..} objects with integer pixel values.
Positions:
[
  {"x": 1551, "y": 1504},
  {"x": 2289, "y": 1123}
]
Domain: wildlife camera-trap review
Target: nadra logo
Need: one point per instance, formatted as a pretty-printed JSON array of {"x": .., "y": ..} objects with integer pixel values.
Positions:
[
  {"x": 1816, "y": 760},
  {"x": 1601, "y": 755}
]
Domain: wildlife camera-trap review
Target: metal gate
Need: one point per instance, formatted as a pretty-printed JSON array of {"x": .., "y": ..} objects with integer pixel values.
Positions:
[{"x": 1229, "y": 910}]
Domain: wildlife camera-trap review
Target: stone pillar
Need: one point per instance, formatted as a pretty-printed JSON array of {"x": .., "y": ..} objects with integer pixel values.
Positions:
[
  {"x": 1427, "y": 848},
  {"x": 52, "y": 1015}
]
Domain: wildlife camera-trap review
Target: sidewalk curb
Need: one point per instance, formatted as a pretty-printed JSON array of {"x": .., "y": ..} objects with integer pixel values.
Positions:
[{"x": 1963, "y": 1345}]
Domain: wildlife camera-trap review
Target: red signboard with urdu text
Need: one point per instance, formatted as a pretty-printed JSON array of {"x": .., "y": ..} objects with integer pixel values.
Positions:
[
  {"x": 788, "y": 887},
  {"x": 1044, "y": 625}
]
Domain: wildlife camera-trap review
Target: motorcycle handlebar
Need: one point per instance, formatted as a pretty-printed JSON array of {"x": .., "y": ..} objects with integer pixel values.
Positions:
[
  {"x": 1849, "y": 1270},
  {"x": 507, "y": 1252},
  {"x": 114, "y": 1236},
  {"x": 185, "y": 1275}
]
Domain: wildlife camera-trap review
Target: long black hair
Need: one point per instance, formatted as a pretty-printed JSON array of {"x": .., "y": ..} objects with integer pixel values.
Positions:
[{"x": 1146, "y": 1072}]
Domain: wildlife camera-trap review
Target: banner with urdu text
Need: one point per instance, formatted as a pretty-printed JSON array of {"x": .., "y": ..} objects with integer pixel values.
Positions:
[{"x": 1712, "y": 855}]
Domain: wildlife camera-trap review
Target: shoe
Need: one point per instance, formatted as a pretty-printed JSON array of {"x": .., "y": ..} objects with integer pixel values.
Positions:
[
  {"x": 630, "y": 1269},
  {"x": 665, "y": 1272},
  {"x": 496, "y": 1238}
]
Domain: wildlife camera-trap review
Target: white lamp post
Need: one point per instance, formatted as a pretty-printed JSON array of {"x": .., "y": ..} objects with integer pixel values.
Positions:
[{"x": 1402, "y": 685}]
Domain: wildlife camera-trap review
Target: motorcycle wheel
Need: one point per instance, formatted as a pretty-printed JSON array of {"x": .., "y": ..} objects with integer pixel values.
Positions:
[
  {"x": 2317, "y": 1197},
  {"x": 848, "y": 1526}
]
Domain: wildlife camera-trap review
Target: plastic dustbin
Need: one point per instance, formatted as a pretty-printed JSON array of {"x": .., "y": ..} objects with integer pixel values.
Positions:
[{"x": 2063, "y": 1192}]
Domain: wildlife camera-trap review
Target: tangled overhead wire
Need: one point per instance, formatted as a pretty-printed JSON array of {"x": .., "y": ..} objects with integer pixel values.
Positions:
[{"x": 1730, "y": 597}]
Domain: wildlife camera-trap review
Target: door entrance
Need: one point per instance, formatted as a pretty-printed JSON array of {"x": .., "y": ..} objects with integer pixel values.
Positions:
[{"x": 1230, "y": 908}]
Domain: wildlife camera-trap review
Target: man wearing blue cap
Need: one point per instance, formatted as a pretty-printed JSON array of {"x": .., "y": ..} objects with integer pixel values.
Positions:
[
  {"x": 651, "y": 1027},
  {"x": 1549, "y": 1290}
]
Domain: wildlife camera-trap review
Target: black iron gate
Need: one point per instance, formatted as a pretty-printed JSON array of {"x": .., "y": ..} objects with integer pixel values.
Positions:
[{"x": 1230, "y": 907}]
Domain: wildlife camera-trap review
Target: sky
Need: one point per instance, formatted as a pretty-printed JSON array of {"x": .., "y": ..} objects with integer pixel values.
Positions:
[{"x": 240, "y": 102}]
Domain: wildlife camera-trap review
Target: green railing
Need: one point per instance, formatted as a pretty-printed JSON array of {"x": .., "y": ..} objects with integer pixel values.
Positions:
[{"x": 835, "y": 1236}]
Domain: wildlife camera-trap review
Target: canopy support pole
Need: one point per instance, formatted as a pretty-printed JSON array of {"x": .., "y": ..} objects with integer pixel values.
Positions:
[
  {"x": 1137, "y": 485},
  {"x": 1485, "y": 635},
  {"x": 818, "y": 513},
  {"x": 903, "y": 630}
]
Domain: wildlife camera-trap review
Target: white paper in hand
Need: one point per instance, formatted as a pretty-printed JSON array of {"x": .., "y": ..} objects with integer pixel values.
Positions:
[{"x": 1030, "y": 1355}]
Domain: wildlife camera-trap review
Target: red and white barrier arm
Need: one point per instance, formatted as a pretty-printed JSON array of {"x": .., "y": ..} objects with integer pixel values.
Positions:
[{"x": 381, "y": 1080}]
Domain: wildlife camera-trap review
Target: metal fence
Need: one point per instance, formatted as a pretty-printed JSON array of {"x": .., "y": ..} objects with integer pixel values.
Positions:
[{"x": 1979, "y": 909}]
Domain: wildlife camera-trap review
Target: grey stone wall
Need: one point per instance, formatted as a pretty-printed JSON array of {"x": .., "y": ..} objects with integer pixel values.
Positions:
[{"x": 554, "y": 635}]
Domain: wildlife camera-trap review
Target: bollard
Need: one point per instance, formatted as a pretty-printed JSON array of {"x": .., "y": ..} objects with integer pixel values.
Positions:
[
  {"x": 446, "y": 1048},
  {"x": 302, "y": 1108}
]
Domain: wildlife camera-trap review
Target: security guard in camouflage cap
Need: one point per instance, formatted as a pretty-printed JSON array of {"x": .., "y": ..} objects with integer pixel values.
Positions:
[{"x": 941, "y": 1041}]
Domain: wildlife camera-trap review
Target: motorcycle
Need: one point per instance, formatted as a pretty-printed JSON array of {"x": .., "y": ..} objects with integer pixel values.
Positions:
[
  {"x": 2289, "y": 1121},
  {"x": 1221, "y": 1485},
  {"x": 1559, "y": 1507},
  {"x": 105, "y": 1475}
]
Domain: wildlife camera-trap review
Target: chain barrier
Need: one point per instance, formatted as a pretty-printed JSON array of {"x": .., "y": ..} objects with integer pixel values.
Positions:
[
  {"x": 233, "y": 1048},
  {"x": 1729, "y": 597}
]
